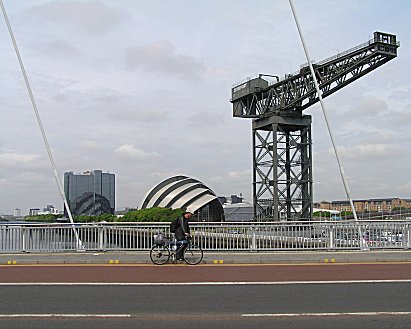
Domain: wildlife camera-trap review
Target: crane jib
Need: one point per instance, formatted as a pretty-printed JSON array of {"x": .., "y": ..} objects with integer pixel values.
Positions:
[{"x": 257, "y": 96}]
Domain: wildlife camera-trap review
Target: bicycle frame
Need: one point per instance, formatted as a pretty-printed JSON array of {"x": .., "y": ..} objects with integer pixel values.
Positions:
[{"x": 173, "y": 251}]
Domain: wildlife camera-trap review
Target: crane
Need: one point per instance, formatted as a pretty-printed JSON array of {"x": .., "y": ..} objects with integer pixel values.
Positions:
[{"x": 281, "y": 132}]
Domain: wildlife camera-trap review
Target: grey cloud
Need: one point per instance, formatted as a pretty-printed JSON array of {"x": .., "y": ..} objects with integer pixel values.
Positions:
[
  {"x": 206, "y": 119},
  {"x": 402, "y": 92},
  {"x": 14, "y": 160},
  {"x": 236, "y": 175},
  {"x": 92, "y": 16},
  {"x": 129, "y": 152},
  {"x": 370, "y": 107},
  {"x": 366, "y": 152},
  {"x": 237, "y": 181},
  {"x": 61, "y": 48},
  {"x": 90, "y": 145},
  {"x": 354, "y": 108},
  {"x": 139, "y": 114},
  {"x": 402, "y": 118},
  {"x": 362, "y": 116},
  {"x": 127, "y": 108},
  {"x": 404, "y": 188},
  {"x": 161, "y": 57},
  {"x": 28, "y": 178}
]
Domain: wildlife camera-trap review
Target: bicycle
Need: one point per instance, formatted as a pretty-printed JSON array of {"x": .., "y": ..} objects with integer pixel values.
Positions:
[{"x": 164, "y": 248}]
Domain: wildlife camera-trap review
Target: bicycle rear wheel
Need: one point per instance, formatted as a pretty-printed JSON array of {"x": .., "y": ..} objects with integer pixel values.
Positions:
[
  {"x": 193, "y": 255},
  {"x": 159, "y": 254}
]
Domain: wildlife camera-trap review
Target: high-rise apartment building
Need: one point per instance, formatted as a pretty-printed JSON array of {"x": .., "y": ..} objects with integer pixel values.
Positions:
[{"x": 90, "y": 193}]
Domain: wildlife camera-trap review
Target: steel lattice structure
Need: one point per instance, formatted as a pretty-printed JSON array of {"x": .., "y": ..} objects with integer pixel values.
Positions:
[{"x": 282, "y": 156}]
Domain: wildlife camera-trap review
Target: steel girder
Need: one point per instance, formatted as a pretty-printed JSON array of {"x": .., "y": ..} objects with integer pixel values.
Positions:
[{"x": 282, "y": 175}]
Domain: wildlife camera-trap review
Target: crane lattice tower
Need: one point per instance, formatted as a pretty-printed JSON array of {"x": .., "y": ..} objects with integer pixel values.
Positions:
[{"x": 281, "y": 133}]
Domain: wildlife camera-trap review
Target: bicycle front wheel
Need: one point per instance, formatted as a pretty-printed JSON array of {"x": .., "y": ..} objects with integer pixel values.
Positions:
[
  {"x": 159, "y": 254},
  {"x": 193, "y": 255}
]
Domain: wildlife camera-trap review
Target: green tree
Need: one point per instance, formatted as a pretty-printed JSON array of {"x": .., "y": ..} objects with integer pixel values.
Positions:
[
  {"x": 346, "y": 213},
  {"x": 94, "y": 219},
  {"x": 322, "y": 214},
  {"x": 85, "y": 219},
  {"x": 107, "y": 218},
  {"x": 48, "y": 218},
  {"x": 156, "y": 214}
]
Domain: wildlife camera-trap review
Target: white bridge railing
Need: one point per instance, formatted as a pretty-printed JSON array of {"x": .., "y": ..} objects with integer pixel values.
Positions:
[{"x": 210, "y": 236}]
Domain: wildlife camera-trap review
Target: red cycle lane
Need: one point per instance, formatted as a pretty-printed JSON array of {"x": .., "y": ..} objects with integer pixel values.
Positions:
[{"x": 202, "y": 273}]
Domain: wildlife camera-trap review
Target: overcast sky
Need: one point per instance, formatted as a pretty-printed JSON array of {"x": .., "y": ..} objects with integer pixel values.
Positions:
[{"x": 141, "y": 89}]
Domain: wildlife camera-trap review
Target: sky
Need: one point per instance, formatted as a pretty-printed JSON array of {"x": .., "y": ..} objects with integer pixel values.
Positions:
[{"x": 142, "y": 89}]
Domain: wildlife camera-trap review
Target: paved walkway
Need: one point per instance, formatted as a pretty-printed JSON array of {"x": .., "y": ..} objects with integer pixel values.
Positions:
[{"x": 142, "y": 257}]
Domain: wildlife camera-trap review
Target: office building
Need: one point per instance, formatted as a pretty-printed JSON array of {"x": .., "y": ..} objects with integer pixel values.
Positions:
[
  {"x": 17, "y": 212},
  {"x": 90, "y": 193}
]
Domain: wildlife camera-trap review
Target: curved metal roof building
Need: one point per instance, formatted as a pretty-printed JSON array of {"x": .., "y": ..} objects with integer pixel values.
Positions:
[{"x": 183, "y": 192}]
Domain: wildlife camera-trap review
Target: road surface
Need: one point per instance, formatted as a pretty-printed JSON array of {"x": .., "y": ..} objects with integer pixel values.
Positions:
[
  {"x": 205, "y": 273},
  {"x": 207, "y": 296}
]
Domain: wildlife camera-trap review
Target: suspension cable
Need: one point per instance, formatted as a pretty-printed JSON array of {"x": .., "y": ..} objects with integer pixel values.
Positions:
[
  {"x": 40, "y": 124},
  {"x": 307, "y": 55}
]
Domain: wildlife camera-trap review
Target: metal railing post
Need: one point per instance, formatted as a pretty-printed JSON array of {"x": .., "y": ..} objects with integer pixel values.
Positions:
[
  {"x": 408, "y": 230},
  {"x": 100, "y": 237},
  {"x": 23, "y": 239},
  {"x": 253, "y": 240},
  {"x": 331, "y": 237}
]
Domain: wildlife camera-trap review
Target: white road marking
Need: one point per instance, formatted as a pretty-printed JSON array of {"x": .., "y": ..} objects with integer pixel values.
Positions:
[
  {"x": 65, "y": 315},
  {"x": 289, "y": 315},
  {"x": 226, "y": 283}
]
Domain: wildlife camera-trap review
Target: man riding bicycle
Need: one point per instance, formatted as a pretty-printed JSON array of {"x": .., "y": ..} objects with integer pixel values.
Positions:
[
  {"x": 182, "y": 233},
  {"x": 181, "y": 247}
]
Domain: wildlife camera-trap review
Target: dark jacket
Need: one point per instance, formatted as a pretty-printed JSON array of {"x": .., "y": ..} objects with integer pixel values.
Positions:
[{"x": 182, "y": 228}]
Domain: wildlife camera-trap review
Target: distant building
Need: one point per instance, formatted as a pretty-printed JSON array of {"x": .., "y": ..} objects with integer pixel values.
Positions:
[
  {"x": 90, "y": 193},
  {"x": 231, "y": 199},
  {"x": 236, "y": 210},
  {"x": 49, "y": 210},
  {"x": 17, "y": 212},
  {"x": 370, "y": 205},
  {"x": 34, "y": 211}
]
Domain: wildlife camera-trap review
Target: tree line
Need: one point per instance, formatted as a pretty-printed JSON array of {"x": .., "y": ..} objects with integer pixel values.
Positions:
[{"x": 156, "y": 214}]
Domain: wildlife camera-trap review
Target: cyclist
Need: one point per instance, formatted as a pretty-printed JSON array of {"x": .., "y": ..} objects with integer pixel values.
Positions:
[{"x": 182, "y": 233}]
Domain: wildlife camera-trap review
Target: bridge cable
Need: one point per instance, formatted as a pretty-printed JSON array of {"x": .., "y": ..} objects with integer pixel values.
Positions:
[
  {"x": 36, "y": 112},
  {"x": 344, "y": 180}
]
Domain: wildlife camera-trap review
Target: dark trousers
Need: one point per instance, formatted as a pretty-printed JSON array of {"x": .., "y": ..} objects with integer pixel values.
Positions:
[{"x": 181, "y": 247}]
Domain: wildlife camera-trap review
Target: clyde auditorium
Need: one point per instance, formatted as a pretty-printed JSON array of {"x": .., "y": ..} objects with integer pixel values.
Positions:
[{"x": 185, "y": 192}]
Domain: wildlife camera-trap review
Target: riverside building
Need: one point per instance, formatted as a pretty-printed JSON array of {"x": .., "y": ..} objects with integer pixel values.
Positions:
[
  {"x": 90, "y": 193},
  {"x": 368, "y": 205}
]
